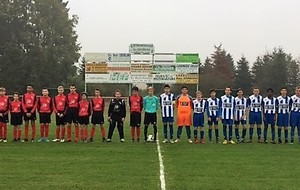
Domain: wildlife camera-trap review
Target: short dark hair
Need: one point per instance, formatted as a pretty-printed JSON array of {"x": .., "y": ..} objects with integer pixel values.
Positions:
[
  {"x": 84, "y": 93},
  {"x": 135, "y": 88},
  {"x": 184, "y": 87},
  {"x": 239, "y": 89},
  {"x": 283, "y": 88},
  {"x": 17, "y": 93},
  {"x": 97, "y": 89},
  {"x": 167, "y": 86},
  {"x": 270, "y": 90},
  {"x": 212, "y": 90},
  {"x": 118, "y": 91},
  {"x": 45, "y": 88},
  {"x": 73, "y": 85},
  {"x": 229, "y": 88}
]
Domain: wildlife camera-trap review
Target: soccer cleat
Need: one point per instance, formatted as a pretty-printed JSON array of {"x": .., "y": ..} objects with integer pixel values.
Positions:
[
  {"x": 108, "y": 140},
  {"x": 165, "y": 141},
  {"x": 231, "y": 142},
  {"x": 132, "y": 140},
  {"x": 250, "y": 141},
  {"x": 138, "y": 140},
  {"x": 273, "y": 142},
  {"x": 103, "y": 139},
  {"x": 55, "y": 140},
  {"x": 286, "y": 141},
  {"x": 171, "y": 141},
  {"x": 62, "y": 140},
  {"x": 242, "y": 140},
  {"x": 41, "y": 140},
  {"x": 85, "y": 141},
  {"x": 32, "y": 140},
  {"x": 217, "y": 141},
  {"x": 190, "y": 141},
  {"x": 5, "y": 140},
  {"x": 202, "y": 141},
  {"x": 24, "y": 140},
  {"x": 225, "y": 142},
  {"x": 260, "y": 141},
  {"x": 210, "y": 141},
  {"x": 265, "y": 141},
  {"x": 122, "y": 140},
  {"x": 292, "y": 142},
  {"x": 91, "y": 140},
  {"x": 279, "y": 141},
  {"x": 15, "y": 140},
  {"x": 47, "y": 140},
  {"x": 177, "y": 140},
  {"x": 19, "y": 140},
  {"x": 76, "y": 140},
  {"x": 1, "y": 140},
  {"x": 69, "y": 140}
]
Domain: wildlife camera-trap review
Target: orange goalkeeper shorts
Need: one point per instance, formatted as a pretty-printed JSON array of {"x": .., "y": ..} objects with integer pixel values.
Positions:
[{"x": 184, "y": 120}]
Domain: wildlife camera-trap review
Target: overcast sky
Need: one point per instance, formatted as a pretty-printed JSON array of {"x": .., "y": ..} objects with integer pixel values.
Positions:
[{"x": 244, "y": 27}]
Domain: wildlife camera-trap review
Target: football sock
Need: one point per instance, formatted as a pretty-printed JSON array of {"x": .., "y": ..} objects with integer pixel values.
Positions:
[
  {"x": 138, "y": 132},
  {"x": 5, "y": 131},
  {"x": 76, "y": 132},
  {"x": 292, "y": 132},
  {"x": 42, "y": 130},
  {"x": 103, "y": 133},
  {"x": 188, "y": 131},
  {"x": 179, "y": 131},
  {"x": 265, "y": 131},
  {"x": 165, "y": 131},
  {"x": 146, "y": 132},
  {"x": 26, "y": 131},
  {"x": 230, "y": 132},
  {"x": 33, "y": 131},
  {"x": 217, "y": 134},
  {"x": 93, "y": 132},
  {"x": 286, "y": 134},
  {"x": 273, "y": 132},
  {"x": 259, "y": 133},
  {"x": 237, "y": 135},
  {"x": 69, "y": 131},
  {"x": 251, "y": 132},
  {"x": 171, "y": 130},
  {"x": 244, "y": 132},
  {"x": 210, "y": 134},
  {"x": 46, "y": 130},
  {"x": 201, "y": 134},
  {"x": 15, "y": 133},
  {"x": 57, "y": 132},
  {"x": 63, "y": 132},
  {"x": 1, "y": 130},
  {"x": 19, "y": 133},
  {"x": 195, "y": 133},
  {"x": 225, "y": 131},
  {"x": 279, "y": 132},
  {"x": 81, "y": 133},
  {"x": 155, "y": 131},
  {"x": 132, "y": 132}
]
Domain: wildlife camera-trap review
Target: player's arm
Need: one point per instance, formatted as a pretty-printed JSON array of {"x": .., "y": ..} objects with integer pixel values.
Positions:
[
  {"x": 110, "y": 109},
  {"x": 7, "y": 107},
  {"x": 219, "y": 115},
  {"x": 54, "y": 105},
  {"x": 51, "y": 106},
  {"x": 123, "y": 109},
  {"x": 191, "y": 103},
  {"x": 35, "y": 104},
  {"x": 38, "y": 105},
  {"x": 90, "y": 108},
  {"x": 103, "y": 105}
]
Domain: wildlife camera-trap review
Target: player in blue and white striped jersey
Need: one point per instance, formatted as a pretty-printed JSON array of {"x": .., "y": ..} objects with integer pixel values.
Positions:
[
  {"x": 269, "y": 108},
  {"x": 199, "y": 106},
  {"x": 241, "y": 112},
  {"x": 295, "y": 114},
  {"x": 254, "y": 104},
  {"x": 283, "y": 114},
  {"x": 227, "y": 105},
  {"x": 213, "y": 114},
  {"x": 167, "y": 100}
]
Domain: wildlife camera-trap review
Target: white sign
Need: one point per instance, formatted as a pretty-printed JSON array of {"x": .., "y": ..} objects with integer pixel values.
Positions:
[
  {"x": 141, "y": 48},
  {"x": 164, "y": 78},
  {"x": 118, "y": 57},
  {"x": 186, "y": 68},
  {"x": 141, "y": 78},
  {"x": 97, "y": 78},
  {"x": 96, "y": 57},
  {"x": 118, "y": 67}
]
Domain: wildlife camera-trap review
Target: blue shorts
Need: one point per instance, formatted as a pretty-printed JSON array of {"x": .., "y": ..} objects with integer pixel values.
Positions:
[
  {"x": 295, "y": 119},
  {"x": 168, "y": 119},
  {"x": 243, "y": 122},
  {"x": 283, "y": 120},
  {"x": 269, "y": 119},
  {"x": 213, "y": 121},
  {"x": 255, "y": 118},
  {"x": 198, "y": 120},
  {"x": 227, "y": 122}
]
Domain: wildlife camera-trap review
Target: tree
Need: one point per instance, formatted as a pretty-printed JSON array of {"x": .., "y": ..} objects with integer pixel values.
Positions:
[
  {"x": 38, "y": 43},
  {"x": 243, "y": 77}
]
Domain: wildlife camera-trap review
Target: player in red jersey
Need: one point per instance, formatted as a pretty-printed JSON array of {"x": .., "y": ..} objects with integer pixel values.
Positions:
[
  {"x": 29, "y": 104},
  {"x": 136, "y": 107},
  {"x": 84, "y": 116},
  {"x": 45, "y": 110},
  {"x": 4, "y": 109},
  {"x": 98, "y": 106},
  {"x": 16, "y": 116},
  {"x": 60, "y": 109},
  {"x": 73, "y": 99}
]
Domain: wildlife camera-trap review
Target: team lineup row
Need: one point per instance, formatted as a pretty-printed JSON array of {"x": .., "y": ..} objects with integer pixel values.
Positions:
[{"x": 77, "y": 109}]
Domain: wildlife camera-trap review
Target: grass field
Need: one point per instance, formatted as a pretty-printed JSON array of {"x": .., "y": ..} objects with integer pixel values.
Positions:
[{"x": 135, "y": 165}]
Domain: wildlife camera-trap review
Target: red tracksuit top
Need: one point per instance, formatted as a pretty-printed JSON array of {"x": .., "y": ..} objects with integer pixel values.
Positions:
[
  {"x": 29, "y": 101},
  {"x": 45, "y": 104},
  {"x": 73, "y": 100},
  {"x": 136, "y": 103},
  {"x": 84, "y": 108},
  {"x": 98, "y": 104},
  {"x": 15, "y": 106},
  {"x": 4, "y": 105},
  {"x": 60, "y": 104}
]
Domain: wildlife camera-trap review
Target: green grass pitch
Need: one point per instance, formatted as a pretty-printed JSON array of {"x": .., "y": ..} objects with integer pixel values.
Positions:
[{"x": 133, "y": 166}]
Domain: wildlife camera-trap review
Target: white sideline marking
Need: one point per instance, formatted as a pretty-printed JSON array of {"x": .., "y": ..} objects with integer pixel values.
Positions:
[{"x": 161, "y": 168}]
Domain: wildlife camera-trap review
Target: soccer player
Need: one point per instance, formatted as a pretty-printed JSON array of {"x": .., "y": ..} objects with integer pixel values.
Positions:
[
  {"x": 213, "y": 114},
  {"x": 151, "y": 105},
  {"x": 136, "y": 107},
  {"x": 295, "y": 114},
  {"x": 198, "y": 117},
  {"x": 283, "y": 114},
  {"x": 45, "y": 108},
  {"x": 241, "y": 112},
  {"x": 84, "y": 116},
  {"x": 16, "y": 116},
  {"x": 98, "y": 106},
  {"x": 29, "y": 105},
  {"x": 60, "y": 109},
  {"x": 4, "y": 109},
  {"x": 73, "y": 99},
  {"x": 116, "y": 116},
  {"x": 184, "y": 105},
  {"x": 167, "y": 100},
  {"x": 254, "y": 104}
]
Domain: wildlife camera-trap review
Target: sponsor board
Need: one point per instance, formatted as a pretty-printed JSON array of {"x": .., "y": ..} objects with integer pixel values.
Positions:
[
  {"x": 115, "y": 67},
  {"x": 186, "y": 68},
  {"x": 141, "y": 68},
  {"x": 187, "y": 58},
  {"x": 96, "y": 68},
  {"x": 187, "y": 79},
  {"x": 141, "y": 78},
  {"x": 141, "y": 48},
  {"x": 164, "y": 78},
  {"x": 164, "y": 68}
]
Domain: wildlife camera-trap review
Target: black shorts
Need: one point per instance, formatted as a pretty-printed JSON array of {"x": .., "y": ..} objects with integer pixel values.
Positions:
[
  {"x": 4, "y": 119},
  {"x": 32, "y": 117},
  {"x": 84, "y": 120},
  {"x": 60, "y": 120},
  {"x": 135, "y": 119},
  {"x": 16, "y": 119},
  {"x": 97, "y": 118},
  {"x": 45, "y": 118},
  {"x": 72, "y": 115},
  {"x": 150, "y": 118}
]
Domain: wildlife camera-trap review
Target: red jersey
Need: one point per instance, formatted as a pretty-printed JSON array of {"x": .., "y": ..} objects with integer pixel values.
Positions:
[
  {"x": 98, "y": 104},
  {"x": 29, "y": 101},
  {"x": 136, "y": 103},
  {"x": 45, "y": 104},
  {"x": 73, "y": 100},
  {"x": 4, "y": 104},
  {"x": 84, "y": 108},
  {"x": 60, "y": 103},
  {"x": 15, "y": 106}
]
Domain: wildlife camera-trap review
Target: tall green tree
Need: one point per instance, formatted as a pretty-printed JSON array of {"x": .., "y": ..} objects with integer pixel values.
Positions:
[
  {"x": 38, "y": 43},
  {"x": 243, "y": 78}
]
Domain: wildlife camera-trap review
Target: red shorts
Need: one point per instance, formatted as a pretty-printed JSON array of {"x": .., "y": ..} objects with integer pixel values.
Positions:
[{"x": 184, "y": 119}]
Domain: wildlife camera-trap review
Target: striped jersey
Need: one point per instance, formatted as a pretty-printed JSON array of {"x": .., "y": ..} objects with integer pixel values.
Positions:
[
  {"x": 227, "y": 107},
  {"x": 213, "y": 107},
  {"x": 240, "y": 108},
  {"x": 199, "y": 106},
  {"x": 254, "y": 103},
  {"x": 283, "y": 104},
  {"x": 166, "y": 104},
  {"x": 295, "y": 104},
  {"x": 269, "y": 105}
]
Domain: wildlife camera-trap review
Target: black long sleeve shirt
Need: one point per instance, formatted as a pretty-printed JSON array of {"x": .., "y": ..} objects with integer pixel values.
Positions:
[{"x": 117, "y": 109}]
